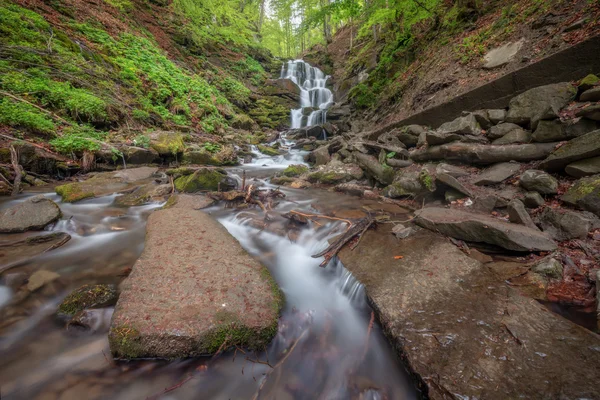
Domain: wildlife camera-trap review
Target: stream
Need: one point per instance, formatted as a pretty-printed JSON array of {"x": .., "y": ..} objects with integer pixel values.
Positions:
[{"x": 339, "y": 351}]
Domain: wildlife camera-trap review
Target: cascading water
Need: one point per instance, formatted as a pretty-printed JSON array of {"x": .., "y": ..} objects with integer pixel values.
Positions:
[{"x": 315, "y": 98}]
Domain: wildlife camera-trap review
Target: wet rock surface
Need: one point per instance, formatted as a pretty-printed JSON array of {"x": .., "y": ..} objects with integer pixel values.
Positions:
[
  {"x": 497, "y": 174},
  {"x": 184, "y": 296},
  {"x": 489, "y": 341},
  {"x": 32, "y": 214}
]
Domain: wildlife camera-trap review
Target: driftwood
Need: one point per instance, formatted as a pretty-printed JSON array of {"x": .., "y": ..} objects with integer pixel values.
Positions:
[
  {"x": 353, "y": 230},
  {"x": 14, "y": 159},
  {"x": 252, "y": 195}
]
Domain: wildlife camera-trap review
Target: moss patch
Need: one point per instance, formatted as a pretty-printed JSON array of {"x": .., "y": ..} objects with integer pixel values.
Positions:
[
  {"x": 168, "y": 143},
  {"x": 295, "y": 170},
  {"x": 200, "y": 180},
  {"x": 588, "y": 82},
  {"x": 427, "y": 180},
  {"x": 88, "y": 296},
  {"x": 124, "y": 341},
  {"x": 267, "y": 150},
  {"x": 72, "y": 192}
]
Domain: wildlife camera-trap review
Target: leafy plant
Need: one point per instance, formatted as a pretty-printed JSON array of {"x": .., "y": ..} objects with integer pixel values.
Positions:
[
  {"x": 212, "y": 147},
  {"x": 23, "y": 115},
  {"x": 77, "y": 139},
  {"x": 142, "y": 141},
  {"x": 391, "y": 154}
]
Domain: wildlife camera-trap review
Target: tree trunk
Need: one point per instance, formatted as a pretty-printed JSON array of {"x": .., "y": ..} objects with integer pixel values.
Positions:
[{"x": 261, "y": 16}]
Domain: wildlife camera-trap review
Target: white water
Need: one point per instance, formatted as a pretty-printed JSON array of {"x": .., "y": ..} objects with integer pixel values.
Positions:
[{"x": 313, "y": 93}]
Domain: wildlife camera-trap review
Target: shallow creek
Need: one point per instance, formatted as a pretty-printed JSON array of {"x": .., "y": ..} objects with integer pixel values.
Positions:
[{"x": 337, "y": 355}]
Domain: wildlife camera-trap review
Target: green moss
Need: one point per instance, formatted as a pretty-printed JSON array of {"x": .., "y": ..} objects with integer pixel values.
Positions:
[
  {"x": 329, "y": 177},
  {"x": 181, "y": 171},
  {"x": 295, "y": 170},
  {"x": 168, "y": 143},
  {"x": 268, "y": 150},
  {"x": 72, "y": 192},
  {"x": 427, "y": 180},
  {"x": 588, "y": 82},
  {"x": 201, "y": 180},
  {"x": 124, "y": 342},
  {"x": 171, "y": 201},
  {"x": 87, "y": 296}
]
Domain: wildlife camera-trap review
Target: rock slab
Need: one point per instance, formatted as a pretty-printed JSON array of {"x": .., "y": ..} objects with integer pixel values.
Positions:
[
  {"x": 497, "y": 174},
  {"x": 32, "y": 214},
  {"x": 466, "y": 225},
  {"x": 463, "y": 332},
  {"x": 192, "y": 287}
]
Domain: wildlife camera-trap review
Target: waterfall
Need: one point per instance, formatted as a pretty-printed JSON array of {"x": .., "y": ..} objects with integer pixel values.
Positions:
[{"x": 315, "y": 98}]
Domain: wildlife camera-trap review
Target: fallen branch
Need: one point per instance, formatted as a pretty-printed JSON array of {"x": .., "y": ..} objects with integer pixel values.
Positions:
[
  {"x": 356, "y": 229},
  {"x": 324, "y": 217},
  {"x": 14, "y": 159}
]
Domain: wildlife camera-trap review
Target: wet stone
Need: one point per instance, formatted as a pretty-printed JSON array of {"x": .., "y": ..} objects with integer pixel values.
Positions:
[
  {"x": 533, "y": 200},
  {"x": 32, "y": 214}
]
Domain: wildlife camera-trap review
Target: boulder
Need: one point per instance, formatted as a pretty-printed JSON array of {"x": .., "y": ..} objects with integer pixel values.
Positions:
[
  {"x": 435, "y": 138},
  {"x": 516, "y": 136},
  {"x": 465, "y": 225},
  {"x": 167, "y": 143},
  {"x": 40, "y": 161},
  {"x": 496, "y": 116},
  {"x": 470, "y": 153},
  {"x": 581, "y": 168},
  {"x": 562, "y": 224},
  {"x": 381, "y": 173},
  {"x": 497, "y": 173},
  {"x": 586, "y": 146},
  {"x": 585, "y": 194},
  {"x": 502, "y": 55},
  {"x": 539, "y": 181},
  {"x": 557, "y": 130},
  {"x": 550, "y": 267},
  {"x": 338, "y": 111},
  {"x": 205, "y": 179},
  {"x": 533, "y": 200},
  {"x": 501, "y": 130},
  {"x": 30, "y": 215},
  {"x": 466, "y": 125},
  {"x": 540, "y": 103},
  {"x": 518, "y": 214},
  {"x": 451, "y": 170},
  {"x": 453, "y": 183},
  {"x": 88, "y": 296},
  {"x": 106, "y": 183},
  {"x": 398, "y": 137},
  {"x": 592, "y": 94},
  {"x": 483, "y": 119},
  {"x": 590, "y": 112},
  {"x": 184, "y": 297},
  {"x": 335, "y": 172},
  {"x": 410, "y": 184},
  {"x": 41, "y": 278},
  {"x": 138, "y": 155},
  {"x": 143, "y": 194},
  {"x": 451, "y": 317},
  {"x": 320, "y": 156}
]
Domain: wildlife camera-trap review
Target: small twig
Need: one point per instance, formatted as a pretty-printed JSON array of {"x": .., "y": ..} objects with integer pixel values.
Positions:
[
  {"x": 371, "y": 322},
  {"x": 324, "y": 217}
]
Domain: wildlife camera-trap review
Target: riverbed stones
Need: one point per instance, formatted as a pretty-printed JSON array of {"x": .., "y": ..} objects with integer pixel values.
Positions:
[
  {"x": 581, "y": 168},
  {"x": 465, "y": 225},
  {"x": 586, "y": 146},
  {"x": 144, "y": 194},
  {"x": 557, "y": 130},
  {"x": 193, "y": 289},
  {"x": 540, "y": 103},
  {"x": 32, "y": 214},
  {"x": 496, "y": 116},
  {"x": 471, "y": 153},
  {"x": 138, "y": 155},
  {"x": 562, "y": 224},
  {"x": 105, "y": 183},
  {"x": 439, "y": 308},
  {"x": 539, "y": 181},
  {"x": 549, "y": 267},
  {"x": 382, "y": 173},
  {"x": 519, "y": 215},
  {"x": 501, "y": 130},
  {"x": 585, "y": 194},
  {"x": 592, "y": 94},
  {"x": 335, "y": 172},
  {"x": 515, "y": 136},
  {"x": 466, "y": 125},
  {"x": 533, "y": 200},
  {"x": 497, "y": 173},
  {"x": 320, "y": 156},
  {"x": 453, "y": 183}
]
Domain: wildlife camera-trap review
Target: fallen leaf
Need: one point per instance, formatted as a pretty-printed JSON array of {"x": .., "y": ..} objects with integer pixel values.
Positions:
[{"x": 398, "y": 257}]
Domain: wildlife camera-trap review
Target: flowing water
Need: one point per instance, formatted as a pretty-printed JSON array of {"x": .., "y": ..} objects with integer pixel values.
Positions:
[{"x": 327, "y": 346}]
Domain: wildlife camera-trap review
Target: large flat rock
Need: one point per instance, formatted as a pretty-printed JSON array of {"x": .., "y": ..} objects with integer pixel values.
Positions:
[
  {"x": 462, "y": 331},
  {"x": 472, "y": 153},
  {"x": 586, "y": 146},
  {"x": 32, "y": 214},
  {"x": 193, "y": 288},
  {"x": 473, "y": 227}
]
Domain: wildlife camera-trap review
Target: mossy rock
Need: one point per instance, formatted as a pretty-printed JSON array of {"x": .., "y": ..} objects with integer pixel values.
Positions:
[
  {"x": 270, "y": 151},
  {"x": 281, "y": 180},
  {"x": 88, "y": 296},
  {"x": 585, "y": 194},
  {"x": 295, "y": 170},
  {"x": 327, "y": 177},
  {"x": 167, "y": 143},
  {"x": 127, "y": 339},
  {"x": 72, "y": 192},
  {"x": 588, "y": 82},
  {"x": 204, "y": 179},
  {"x": 181, "y": 171}
]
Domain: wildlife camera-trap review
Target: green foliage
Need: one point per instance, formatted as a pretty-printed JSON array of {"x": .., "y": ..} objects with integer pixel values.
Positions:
[
  {"x": 212, "y": 147},
  {"x": 142, "y": 141},
  {"x": 122, "y": 5},
  {"x": 23, "y": 115},
  {"x": 391, "y": 154},
  {"x": 77, "y": 139}
]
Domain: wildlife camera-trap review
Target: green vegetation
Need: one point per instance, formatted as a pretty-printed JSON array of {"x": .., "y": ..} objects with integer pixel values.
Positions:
[
  {"x": 87, "y": 296},
  {"x": 295, "y": 170},
  {"x": 77, "y": 139}
]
